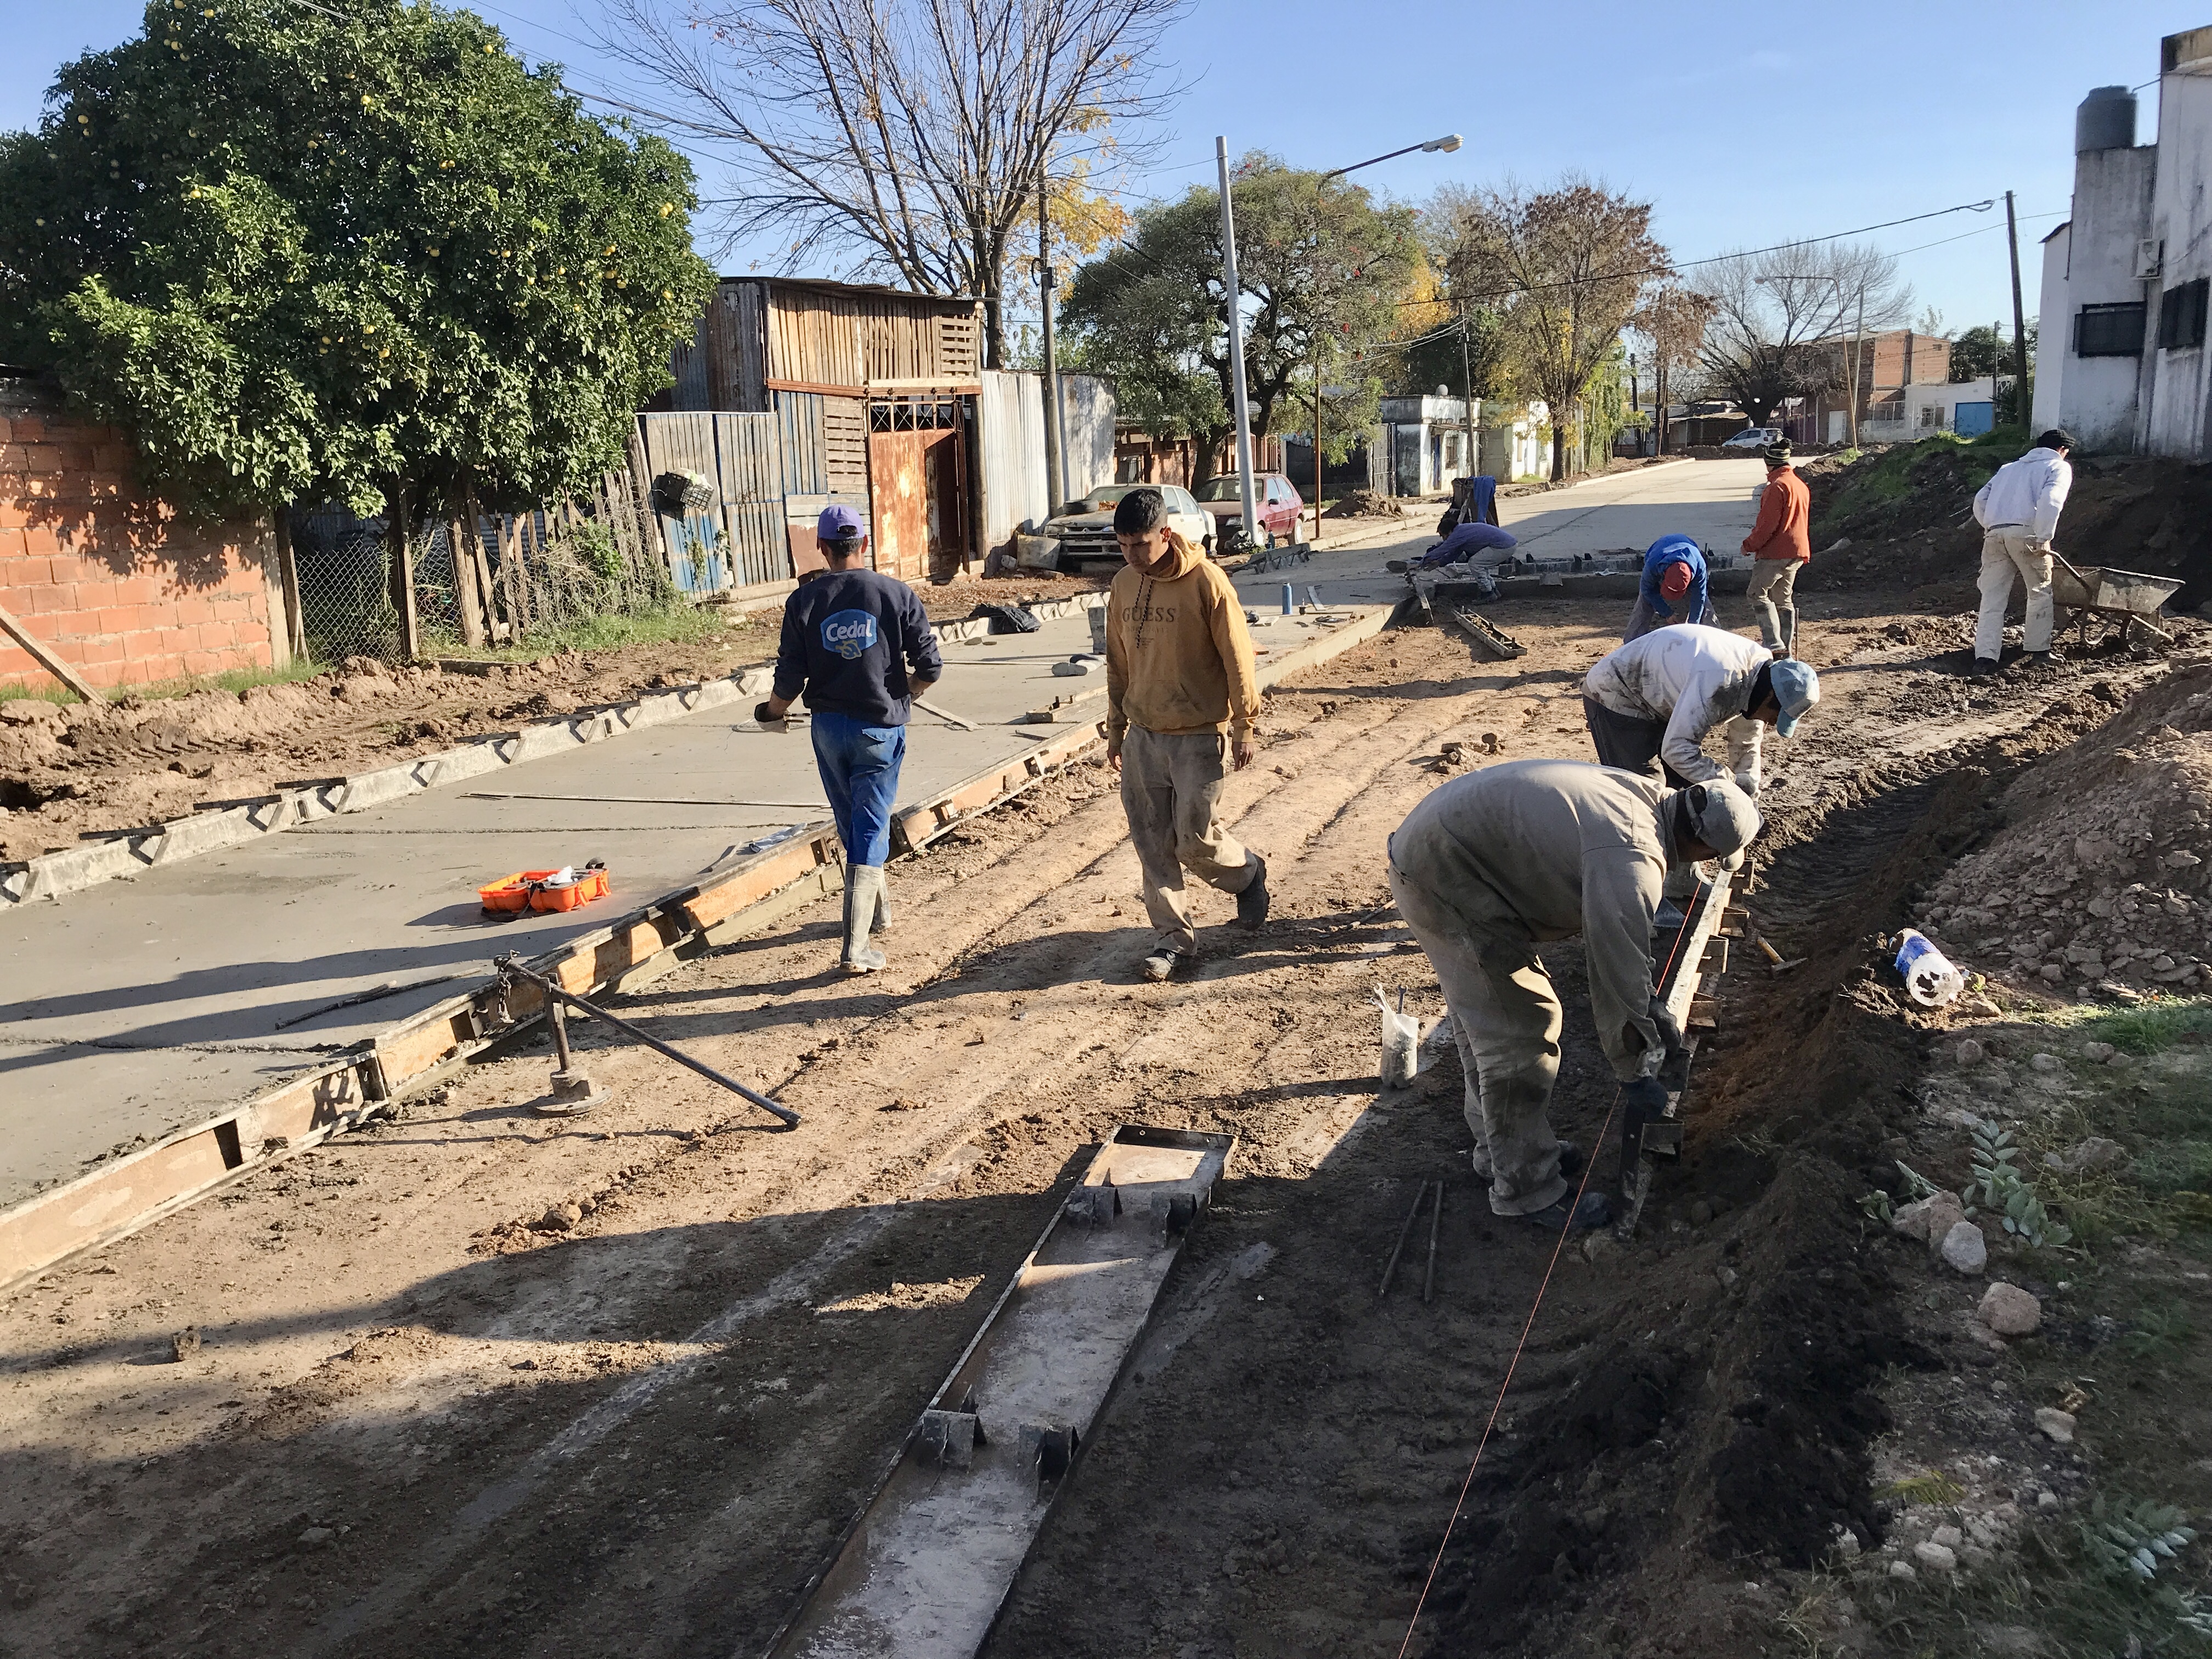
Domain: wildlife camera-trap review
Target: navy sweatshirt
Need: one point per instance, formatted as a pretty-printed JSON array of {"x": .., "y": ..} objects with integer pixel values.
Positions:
[{"x": 854, "y": 642}]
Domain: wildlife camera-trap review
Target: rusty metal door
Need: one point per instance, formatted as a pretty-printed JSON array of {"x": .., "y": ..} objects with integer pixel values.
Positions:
[{"x": 898, "y": 501}]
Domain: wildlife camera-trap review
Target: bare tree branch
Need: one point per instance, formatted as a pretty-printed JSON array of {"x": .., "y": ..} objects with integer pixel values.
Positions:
[
  {"x": 913, "y": 135},
  {"x": 1772, "y": 311}
]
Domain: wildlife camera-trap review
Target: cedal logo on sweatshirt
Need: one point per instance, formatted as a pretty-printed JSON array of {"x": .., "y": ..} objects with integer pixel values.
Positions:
[{"x": 848, "y": 633}]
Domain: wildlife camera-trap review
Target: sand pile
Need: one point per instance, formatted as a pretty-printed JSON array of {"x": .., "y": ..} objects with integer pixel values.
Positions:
[{"x": 2099, "y": 877}]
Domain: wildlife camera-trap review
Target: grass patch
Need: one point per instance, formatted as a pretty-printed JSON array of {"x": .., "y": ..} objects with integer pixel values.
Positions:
[
  {"x": 688, "y": 624},
  {"x": 1897, "y": 472},
  {"x": 233, "y": 680}
]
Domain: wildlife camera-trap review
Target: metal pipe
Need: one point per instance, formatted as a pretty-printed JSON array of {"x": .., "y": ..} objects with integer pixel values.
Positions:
[
  {"x": 1405, "y": 1232},
  {"x": 1055, "y": 435},
  {"x": 1435, "y": 1216},
  {"x": 557, "y": 994}
]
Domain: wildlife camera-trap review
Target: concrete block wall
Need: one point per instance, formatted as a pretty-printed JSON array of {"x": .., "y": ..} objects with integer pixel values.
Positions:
[{"x": 111, "y": 579}]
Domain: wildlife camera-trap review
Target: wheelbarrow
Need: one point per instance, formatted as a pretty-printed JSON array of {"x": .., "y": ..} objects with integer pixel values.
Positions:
[{"x": 2079, "y": 592}]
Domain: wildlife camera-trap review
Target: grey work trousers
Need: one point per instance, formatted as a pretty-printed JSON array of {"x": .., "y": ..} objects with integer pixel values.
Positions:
[
  {"x": 1773, "y": 583},
  {"x": 1506, "y": 1021},
  {"x": 1171, "y": 789},
  {"x": 2009, "y": 552},
  {"x": 1628, "y": 743}
]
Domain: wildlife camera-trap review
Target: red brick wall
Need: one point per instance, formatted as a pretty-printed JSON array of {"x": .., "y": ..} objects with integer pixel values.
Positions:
[{"x": 112, "y": 580}]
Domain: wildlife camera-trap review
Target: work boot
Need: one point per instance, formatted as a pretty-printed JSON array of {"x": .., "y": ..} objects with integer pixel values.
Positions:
[
  {"x": 864, "y": 887},
  {"x": 1163, "y": 961},
  {"x": 1789, "y": 647},
  {"x": 881, "y": 926},
  {"x": 1983, "y": 665},
  {"x": 1571, "y": 1164},
  {"x": 1252, "y": 903},
  {"x": 1594, "y": 1211}
]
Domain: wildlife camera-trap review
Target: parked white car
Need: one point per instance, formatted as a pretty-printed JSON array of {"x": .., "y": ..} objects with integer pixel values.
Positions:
[
  {"x": 1753, "y": 437},
  {"x": 1085, "y": 527}
]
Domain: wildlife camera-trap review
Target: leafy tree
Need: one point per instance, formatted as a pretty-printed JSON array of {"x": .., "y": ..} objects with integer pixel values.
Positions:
[
  {"x": 1565, "y": 268},
  {"x": 1326, "y": 266},
  {"x": 1982, "y": 350},
  {"x": 371, "y": 256}
]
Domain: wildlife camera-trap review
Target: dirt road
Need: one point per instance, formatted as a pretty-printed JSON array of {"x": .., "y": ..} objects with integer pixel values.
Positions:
[{"x": 431, "y": 1411}]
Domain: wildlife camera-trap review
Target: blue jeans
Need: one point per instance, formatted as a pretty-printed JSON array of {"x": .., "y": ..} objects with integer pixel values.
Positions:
[{"x": 860, "y": 768}]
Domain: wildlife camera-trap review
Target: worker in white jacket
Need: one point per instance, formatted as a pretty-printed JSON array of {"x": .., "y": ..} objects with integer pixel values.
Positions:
[
  {"x": 1660, "y": 696},
  {"x": 1491, "y": 864},
  {"x": 2018, "y": 511}
]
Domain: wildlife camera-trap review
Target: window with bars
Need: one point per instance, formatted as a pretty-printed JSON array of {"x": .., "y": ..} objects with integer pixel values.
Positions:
[
  {"x": 2181, "y": 316},
  {"x": 2110, "y": 330},
  {"x": 914, "y": 414}
]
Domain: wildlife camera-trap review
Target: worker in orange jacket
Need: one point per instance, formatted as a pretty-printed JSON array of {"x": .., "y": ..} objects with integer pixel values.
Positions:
[{"x": 1779, "y": 545}]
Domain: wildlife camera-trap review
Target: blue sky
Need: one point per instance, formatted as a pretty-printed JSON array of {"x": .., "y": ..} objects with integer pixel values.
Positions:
[{"x": 1754, "y": 124}]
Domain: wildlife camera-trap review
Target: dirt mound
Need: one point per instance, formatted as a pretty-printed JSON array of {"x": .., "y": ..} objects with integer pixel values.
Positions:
[
  {"x": 1906, "y": 514},
  {"x": 1364, "y": 504},
  {"x": 2101, "y": 876}
]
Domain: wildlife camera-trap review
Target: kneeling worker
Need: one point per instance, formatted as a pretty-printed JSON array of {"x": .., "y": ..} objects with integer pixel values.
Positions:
[
  {"x": 860, "y": 646},
  {"x": 1674, "y": 587},
  {"x": 1661, "y": 696},
  {"x": 1182, "y": 693},
  {"x": 1493, "y": 863}
]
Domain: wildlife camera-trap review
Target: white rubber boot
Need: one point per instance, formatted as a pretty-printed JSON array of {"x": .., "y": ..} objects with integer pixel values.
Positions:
[{"x": 864, "y": 888}]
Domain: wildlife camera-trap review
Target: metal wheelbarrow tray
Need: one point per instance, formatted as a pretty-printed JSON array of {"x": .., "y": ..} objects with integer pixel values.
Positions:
[{"x": 2131, "y": 595}]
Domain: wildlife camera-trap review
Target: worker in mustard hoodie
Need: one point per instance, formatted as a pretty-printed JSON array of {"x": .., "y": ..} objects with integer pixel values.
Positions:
[{"x": 1180, "y": 698}]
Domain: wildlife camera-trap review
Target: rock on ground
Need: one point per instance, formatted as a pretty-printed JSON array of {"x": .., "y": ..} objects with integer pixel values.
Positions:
[
  {"x": 1964, "y": 1249},
  {"x": 2010, "y": 1311},
  {"x": 1937, "y": 1558},
  {"x": 2058, "y": 1425}
]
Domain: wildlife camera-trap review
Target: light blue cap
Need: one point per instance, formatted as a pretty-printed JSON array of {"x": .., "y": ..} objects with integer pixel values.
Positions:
[{"x": 1796, "y": 688}]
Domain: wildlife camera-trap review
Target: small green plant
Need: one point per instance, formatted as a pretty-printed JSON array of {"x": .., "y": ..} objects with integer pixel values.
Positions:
[
  {"x": 2134, "y": 1539},
  {"x": 1997, "y": 1186},
  {"x": 1876, "y": 1206},
  {"x": 596, "y": 547},
  {"x": 1934, "y": 1487},
  {"x": 2161, "y": 1331},
  {"x": 1915, "y": 1183}
]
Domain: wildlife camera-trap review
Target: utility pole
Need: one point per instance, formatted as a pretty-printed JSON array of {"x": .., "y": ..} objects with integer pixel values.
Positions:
[
  {"x": 1316, "y": 449},
  {"x": 1055, "y": 434},
  {"x": 1858, "y": 328},
  {"x": 1236, "y": 321},
  {"x": 2019, "y": 328},
  {"x": 1467, "y": 381}
]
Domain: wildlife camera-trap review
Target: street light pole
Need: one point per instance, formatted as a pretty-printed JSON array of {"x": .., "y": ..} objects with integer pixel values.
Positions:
[
  {"x": 1242, "y": 401},
  {"x": 1055, "y": 430}
]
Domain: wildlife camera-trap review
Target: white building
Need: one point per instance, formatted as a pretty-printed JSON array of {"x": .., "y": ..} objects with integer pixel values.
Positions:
[{"x": 2121, "y": 363}]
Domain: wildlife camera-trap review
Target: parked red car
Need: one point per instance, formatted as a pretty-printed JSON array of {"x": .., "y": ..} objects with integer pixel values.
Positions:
[{"x": 1279, "y": 507}]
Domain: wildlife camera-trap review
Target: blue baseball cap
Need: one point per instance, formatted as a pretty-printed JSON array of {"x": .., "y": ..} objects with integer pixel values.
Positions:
[
  {"x": 839, "y": 523},
  {"x": 1796, "y": 688}
]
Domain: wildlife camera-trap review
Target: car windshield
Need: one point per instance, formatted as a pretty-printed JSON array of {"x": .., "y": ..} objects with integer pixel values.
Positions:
[
  {"x": 1102, "y": 497},
  {"x": 1223, "y": 488}
]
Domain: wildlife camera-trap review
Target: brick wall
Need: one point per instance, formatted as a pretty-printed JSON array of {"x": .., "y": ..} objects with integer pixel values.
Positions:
[{"x": 111, "y": 579}]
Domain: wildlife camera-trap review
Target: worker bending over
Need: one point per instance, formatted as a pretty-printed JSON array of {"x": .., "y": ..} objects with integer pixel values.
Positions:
[
  {"x": 1659, "y": 697},
  {"x": 2018, "y": 511},
  {"x": 1780, "y": 545},
  {"x": 1673, "y": 589},
  {"x": 1491, "y": 864},
  {"x": 1182, "y": 694},
  {"x": 860, "y": 647}
]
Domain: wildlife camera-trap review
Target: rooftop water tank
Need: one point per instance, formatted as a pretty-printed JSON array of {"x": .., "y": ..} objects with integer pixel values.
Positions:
[{"x": 2105, "y": 120}]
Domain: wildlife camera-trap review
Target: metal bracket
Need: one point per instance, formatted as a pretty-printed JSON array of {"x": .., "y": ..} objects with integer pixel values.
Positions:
[
  {"x": 949, "y": 1439},
  {"x": 1050, "y": 1452}
]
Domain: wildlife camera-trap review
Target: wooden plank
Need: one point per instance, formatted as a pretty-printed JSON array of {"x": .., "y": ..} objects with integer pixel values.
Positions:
[
  {"x": 724, "y": 899},
  {"x": 47, "y": 659}
]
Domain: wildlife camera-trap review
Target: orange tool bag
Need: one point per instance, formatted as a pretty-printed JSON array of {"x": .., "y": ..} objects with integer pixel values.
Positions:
[{"x": 544, "y": 889}]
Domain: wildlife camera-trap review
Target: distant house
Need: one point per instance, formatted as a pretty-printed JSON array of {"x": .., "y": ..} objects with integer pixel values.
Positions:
[
  {"x": 1420, "y": 444},
  {"x": 2122, "y": 360},
  {"x": 1890, "y": 362},
  {"x": 796, "y": 392}
]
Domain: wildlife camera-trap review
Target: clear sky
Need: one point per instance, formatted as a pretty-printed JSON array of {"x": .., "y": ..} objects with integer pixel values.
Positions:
[{"x": 1744, "y": 124}]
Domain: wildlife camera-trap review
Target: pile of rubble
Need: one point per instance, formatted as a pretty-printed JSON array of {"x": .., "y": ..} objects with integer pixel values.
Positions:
[
  {"x": 2100, "y": 879},
  {"x": 1364, "y": 504}
]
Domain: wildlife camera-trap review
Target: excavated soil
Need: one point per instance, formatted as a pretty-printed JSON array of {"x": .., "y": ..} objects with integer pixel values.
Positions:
[{"x": 474, "y": 1381}]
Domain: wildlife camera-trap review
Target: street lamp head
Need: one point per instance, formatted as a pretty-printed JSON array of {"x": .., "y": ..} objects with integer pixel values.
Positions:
[{"x": 1448, "y": 143}]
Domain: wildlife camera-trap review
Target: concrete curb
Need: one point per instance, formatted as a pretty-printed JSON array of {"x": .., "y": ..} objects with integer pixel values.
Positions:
[
  {"x": 114, "y": 1200},
  {"x": 77, "y": 868}
]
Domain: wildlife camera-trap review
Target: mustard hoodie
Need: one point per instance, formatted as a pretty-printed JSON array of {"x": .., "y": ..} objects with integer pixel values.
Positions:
[{"x": 1177, "y": 658}]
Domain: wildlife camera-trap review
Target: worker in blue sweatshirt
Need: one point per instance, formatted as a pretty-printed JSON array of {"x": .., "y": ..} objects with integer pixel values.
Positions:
[
  {"x": 1673, "y": 589},
  {"x": 859, "y": 647}
]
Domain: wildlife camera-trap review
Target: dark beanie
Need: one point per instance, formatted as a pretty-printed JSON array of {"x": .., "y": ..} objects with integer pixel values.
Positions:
[
  {"x": 2057, "y": 438},
  {"x": 1139, "y": 511},
  {"x": 1777, "y": 454}
]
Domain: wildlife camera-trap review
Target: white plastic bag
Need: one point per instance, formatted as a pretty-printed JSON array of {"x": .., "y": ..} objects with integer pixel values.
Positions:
[{"x": 1402, "y": 1044}]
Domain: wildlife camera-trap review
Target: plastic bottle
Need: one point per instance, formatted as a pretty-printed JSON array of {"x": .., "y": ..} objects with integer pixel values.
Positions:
[{"x": 1930, "y": 978}]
